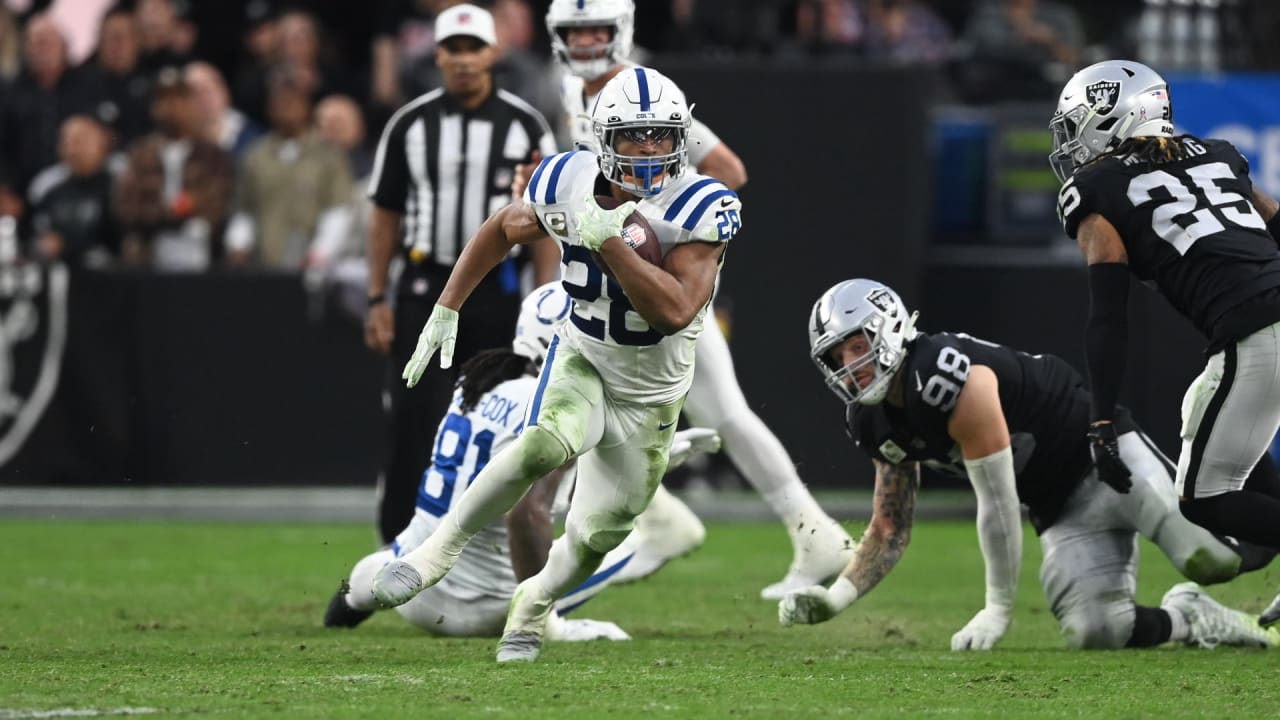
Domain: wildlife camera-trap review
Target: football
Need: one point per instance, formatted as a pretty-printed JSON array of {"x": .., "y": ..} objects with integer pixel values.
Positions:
[{"x": 636, "y": 232}]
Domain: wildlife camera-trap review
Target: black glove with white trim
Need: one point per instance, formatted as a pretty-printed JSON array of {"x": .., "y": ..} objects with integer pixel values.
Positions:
[{"x": 1104, "y": 446}]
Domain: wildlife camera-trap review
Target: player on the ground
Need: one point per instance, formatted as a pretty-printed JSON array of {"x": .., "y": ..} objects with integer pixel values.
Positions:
[
  {"x": 616, "y": 374},
  {"x": 592, "y": 41},
  {"x": 1182, "y": 215},
  {"x": 1014, "y": 425},
  {"x": 486, "y": 415}
]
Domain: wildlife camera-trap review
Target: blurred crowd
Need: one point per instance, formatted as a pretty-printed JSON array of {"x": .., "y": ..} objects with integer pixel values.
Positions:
[{"x": 183, "y": 135}]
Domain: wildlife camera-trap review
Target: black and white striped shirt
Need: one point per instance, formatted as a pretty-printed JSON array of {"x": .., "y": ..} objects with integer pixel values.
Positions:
[{"x": 446, "y": 169}]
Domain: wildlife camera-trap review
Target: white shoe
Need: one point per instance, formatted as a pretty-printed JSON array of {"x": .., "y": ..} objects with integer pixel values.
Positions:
[
  {"x": 526, "y": 623},
  {"x": 1271, "y": 615},
  {"x": 820, "y": 554},
  {"x": 582, "y": 630},
  {"x": 396, "y": 583},
  {"x": 667, "y": 529},
  {"x": 1212, "y": 624}
]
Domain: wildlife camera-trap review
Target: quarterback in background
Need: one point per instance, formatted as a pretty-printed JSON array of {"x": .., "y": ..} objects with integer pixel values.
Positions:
[
  {"x": 1182, "y": 215},
  {"x": 616, "y": 374},
  {"x": 592, "y": 40},
  {"x": 1013, "y": 424}
]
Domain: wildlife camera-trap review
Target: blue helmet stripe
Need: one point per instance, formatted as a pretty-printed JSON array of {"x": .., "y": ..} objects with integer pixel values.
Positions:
[
  {"x": 644, "y": 89},
  {"x": 582, "y": 4},
  {"x": 691, "y": 222},
  {"x": 555, "y": 176},
  {"x": 685, "y": 197}
]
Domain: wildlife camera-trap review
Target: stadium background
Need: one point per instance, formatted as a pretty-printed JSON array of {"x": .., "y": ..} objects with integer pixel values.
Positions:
[{"x": 917, "y": 161}]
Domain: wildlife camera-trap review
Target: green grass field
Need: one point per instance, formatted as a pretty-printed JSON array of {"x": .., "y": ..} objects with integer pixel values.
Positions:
[{"x": 224, "y": 619}]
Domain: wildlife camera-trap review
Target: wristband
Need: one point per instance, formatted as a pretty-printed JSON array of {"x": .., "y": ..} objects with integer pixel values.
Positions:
[
  {"x": 842, "y": 593},
  {"x": 377, "y": 299}
]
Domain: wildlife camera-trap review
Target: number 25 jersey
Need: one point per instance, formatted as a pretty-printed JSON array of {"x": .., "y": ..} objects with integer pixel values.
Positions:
[
  {"x": 1190, "y": 230},
  {"x": 637, "y": 363}
]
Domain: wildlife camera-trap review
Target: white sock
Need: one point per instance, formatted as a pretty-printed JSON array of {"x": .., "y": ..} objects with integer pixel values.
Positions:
[
  {"x": 798, "y": 510},
  {"x": 1180, "y": 630},
  {"x": 360, "y": 584}
]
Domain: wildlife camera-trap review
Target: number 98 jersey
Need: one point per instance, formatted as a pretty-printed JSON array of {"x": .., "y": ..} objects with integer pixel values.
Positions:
[
  {"x": 1190, "y": 229},
  {"x": 636, "y": 362},
  {"x": 1045, "y": 403}
]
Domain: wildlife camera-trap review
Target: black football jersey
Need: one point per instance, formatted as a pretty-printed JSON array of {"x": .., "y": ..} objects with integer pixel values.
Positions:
[
  {"x": 1191, "y": 232},
  {"x": 1045, "y": 402}
]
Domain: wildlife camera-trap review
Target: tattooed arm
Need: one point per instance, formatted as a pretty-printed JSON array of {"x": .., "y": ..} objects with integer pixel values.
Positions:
[{"x": 886, "y": 538}]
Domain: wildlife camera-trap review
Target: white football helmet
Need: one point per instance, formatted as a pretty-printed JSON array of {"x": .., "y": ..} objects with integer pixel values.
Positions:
[
  {"x": 641, "y": 104},
  {"x": 541, "y": 314},
  {"x": 870, "y": 308},
  {"x": 619, "y": 15},
  {"x": 1104, "y": 105}
]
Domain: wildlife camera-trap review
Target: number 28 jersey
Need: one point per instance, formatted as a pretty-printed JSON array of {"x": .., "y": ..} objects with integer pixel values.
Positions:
[
  {"x": 637, "y": 363},
  {"x": 1190, "y": 230},
  {"x": 1045, "y": 403}
]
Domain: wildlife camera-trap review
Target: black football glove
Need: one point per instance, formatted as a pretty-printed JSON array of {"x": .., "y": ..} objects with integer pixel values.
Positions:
[{"x": 1105, "y": 449}]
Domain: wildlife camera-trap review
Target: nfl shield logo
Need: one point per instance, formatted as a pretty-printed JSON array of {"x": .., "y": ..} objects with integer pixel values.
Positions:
[{"x": 1103, "y": 95}]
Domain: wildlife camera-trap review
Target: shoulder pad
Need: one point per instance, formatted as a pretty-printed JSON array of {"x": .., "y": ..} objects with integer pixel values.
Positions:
[
  {"x": 553, "y": 179},
  {"x": 702, "y": 208}
]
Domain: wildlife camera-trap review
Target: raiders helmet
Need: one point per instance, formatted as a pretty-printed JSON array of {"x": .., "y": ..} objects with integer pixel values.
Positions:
[
  {"x": 1103, "y": 105},
  {"x": 876, "y": 311}
]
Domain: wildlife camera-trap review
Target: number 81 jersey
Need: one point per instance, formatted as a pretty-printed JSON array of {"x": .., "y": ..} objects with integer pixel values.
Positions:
[
  {"x": 1189, "y": 228},
  {"x": 637, "y": 363}
]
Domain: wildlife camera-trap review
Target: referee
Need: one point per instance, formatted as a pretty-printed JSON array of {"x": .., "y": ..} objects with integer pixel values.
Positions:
[{"x": 444, "y": 163}]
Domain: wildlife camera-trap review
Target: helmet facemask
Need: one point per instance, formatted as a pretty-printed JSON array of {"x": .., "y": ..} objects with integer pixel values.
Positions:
[
  {"x": 643, "y": 175},
  {"x": 853, "y": 308}
]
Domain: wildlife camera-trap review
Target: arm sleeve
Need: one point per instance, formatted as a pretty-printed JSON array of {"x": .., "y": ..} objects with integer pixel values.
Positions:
[
  {"x": 999, "y": 524},
  {"x": 702, "y": 140},
  {"x": 1107, "y": 335}
]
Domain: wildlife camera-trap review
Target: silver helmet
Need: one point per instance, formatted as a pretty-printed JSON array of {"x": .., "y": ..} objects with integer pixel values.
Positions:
[
  {"x": 875, "y": 311},
  {"x": 541, "y": 314},
  {"x": 1103, "y": 105},
  {"x": 617, "y": 15}
]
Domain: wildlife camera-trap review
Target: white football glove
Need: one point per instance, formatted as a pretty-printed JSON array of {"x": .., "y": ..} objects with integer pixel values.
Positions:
[
  {"x": 583, "y": 630},
  {"x": 688, "y": 443},
  {"x": 595, "y": 225},
  {"x": 815, "y": 604},
  {"x": 440, "y": 333},
  {"x": 983, "y": 631}
]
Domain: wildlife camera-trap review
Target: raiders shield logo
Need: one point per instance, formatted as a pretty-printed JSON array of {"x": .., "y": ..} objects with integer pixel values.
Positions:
[
  {"x": 881, "y": 298},
  {"x": 33, "y": 334},
  {"x": 1103, "y": 95}
]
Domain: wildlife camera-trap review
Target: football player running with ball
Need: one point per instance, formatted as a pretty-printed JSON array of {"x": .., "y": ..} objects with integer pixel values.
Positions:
[
  {"x": 592, "y": 41},
  {"x": 1182, "y": 215},
  {"x": 616, "y": 374},
  {"x": 1014, "y": 425},
  {"x": 486, "y": 415}
]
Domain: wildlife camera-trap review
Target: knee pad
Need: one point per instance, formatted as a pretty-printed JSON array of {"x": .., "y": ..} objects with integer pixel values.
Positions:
[
  {"x": 1098, "y": 626},
  {"x": 542, "y": 451},
  {"x": 600, "y": 534}
]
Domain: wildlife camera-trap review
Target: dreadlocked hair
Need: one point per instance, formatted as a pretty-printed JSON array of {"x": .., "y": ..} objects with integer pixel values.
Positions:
[
  {"x": 1151, "y": 149},
  {"x": 488, "y": 369}
]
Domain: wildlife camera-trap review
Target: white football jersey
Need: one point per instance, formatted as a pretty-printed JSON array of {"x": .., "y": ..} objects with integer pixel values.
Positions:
[
  {"x": 577, "y": 108},
  {"x": 463, "y": 446},
  {"x": 636, "y": 362}
]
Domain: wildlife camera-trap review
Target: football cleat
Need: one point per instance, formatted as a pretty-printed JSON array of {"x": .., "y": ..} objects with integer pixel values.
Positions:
[
  {"x": 1271, "y": 615},
  {"x": 582, "y": 630},
  {"x": 341, "y": 615},
  {"x": 819, "y": 557},
  {"x": 519, "y": 646},
  {"x": 397, "y": 583},
  {"x": 1212, "y": 624},
  {"x": 666, "y": 530}
]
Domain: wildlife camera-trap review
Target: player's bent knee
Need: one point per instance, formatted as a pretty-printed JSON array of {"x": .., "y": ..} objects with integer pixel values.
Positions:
[
  {"x": 541, "y": 451},
  {"x": 1208, "y": 566},
  {"x": 1097, "y": 628}
]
